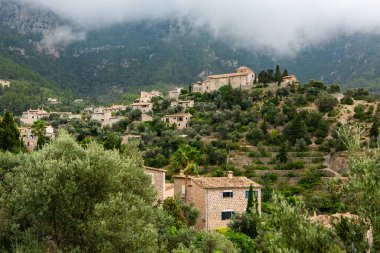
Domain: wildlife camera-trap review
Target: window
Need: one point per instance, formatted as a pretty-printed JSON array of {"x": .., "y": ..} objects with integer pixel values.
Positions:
[
  {"x": 255, "y": 194},
  {"x": 228, "y": 194},
  {"x": 227, "y": 215}
]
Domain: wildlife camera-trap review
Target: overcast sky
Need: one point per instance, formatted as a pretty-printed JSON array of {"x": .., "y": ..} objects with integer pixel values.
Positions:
[{"x": 282, "y": 27}]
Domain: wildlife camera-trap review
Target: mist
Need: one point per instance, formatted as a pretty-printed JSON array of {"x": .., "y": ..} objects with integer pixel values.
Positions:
[{"x": 281, "y": 28}]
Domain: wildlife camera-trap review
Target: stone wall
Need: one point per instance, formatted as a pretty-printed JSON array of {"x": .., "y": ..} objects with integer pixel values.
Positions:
[{"x": 158, "y": 182}]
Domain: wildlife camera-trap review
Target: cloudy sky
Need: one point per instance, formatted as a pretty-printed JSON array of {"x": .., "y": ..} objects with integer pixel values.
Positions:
[{"x": 278, "y": 26}]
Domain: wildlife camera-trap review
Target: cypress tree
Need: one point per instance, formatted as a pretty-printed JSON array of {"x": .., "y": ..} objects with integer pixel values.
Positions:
[
  {"x": 251, "y": 203},
  {"x": 278, "y": 77},
  {"x": 9, "y": 134}
]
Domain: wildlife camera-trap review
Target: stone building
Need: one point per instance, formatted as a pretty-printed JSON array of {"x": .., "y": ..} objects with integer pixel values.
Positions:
[
  {"x": 174, "y": 93},
  {"x": 145, "y": 97},
  {"x": 31, "y": 116},
  {"x": 181, "y": 120},
  {"x": 105, "y": 117},
  {"x": 116, "y": 108},
  {"x": 158, "y": 181},
  {"x": 183, "y": 103},
  {"x": 242, "y": 79},
  {"x": 28, "y": 138},
  {"x": 144, "y": 107},
  {"x": 145, "y": 117},
  {"x": 217, "y": 198},
  {"x": 288, "y": 80}
]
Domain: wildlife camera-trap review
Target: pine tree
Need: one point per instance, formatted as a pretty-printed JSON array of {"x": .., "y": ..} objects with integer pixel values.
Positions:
[
  {"x": 278, "y": 76},
  {"x": 9, "y": 134},
  {"x": 285, "y": 73}
]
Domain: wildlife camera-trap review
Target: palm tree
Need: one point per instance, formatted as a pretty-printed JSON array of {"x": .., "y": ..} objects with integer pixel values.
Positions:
[
  {"x": 39, "y": 130},
  {"x": 186, "y": 159}
]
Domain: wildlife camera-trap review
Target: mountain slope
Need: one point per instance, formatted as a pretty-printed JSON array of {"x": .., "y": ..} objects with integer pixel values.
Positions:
[{"x": 113, "y": 59}]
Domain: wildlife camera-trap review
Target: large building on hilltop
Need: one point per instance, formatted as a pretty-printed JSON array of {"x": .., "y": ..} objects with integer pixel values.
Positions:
[{"x": 242, "y": 79}]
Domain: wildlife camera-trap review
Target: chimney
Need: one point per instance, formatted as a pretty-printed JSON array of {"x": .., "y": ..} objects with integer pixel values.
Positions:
[
  {"x": 181, "y": 173},
  {"x": 230, "y": 174}
]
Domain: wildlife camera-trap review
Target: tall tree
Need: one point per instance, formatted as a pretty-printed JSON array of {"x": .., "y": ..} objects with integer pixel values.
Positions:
[
  {"x": 285, "y": 73},
  {"x": 278, "y": 76},
  {"x": 251, "y": 205},
  {"x": 9, "y": 134}
]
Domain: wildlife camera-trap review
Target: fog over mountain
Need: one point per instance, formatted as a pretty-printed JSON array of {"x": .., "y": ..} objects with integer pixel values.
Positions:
[{"x": 273, "y": 26}]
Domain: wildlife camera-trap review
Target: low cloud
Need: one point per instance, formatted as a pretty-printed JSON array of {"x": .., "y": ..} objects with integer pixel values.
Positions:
[{"x": 279, "y": 27}]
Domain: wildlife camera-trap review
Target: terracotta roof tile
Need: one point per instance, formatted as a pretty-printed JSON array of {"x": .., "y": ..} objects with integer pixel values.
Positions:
[{"x": 225, "y": 182}]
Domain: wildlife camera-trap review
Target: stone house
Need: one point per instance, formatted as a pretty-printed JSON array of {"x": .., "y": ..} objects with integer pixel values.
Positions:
[
  {"x": 31, "y": 116},
  {"x": 217, "y": 198},
  {"x": 288, "y": 80},
  {"x": 183, "y": 103},
  {"x": 145, "y": 97},
  {"x": 242, "y": 79},
  {"x": 130, "y": 137},
  {"x": 5, "y": 83},
  {"x": 102, "y": 116},
  {"x": 174, "y": 93},
  {"x": 144, "y": 107},
  {"x": 181, "y": 120},
  {"x": 28, "y": 138},
  {"x": 145, "y": 117},
  {"x": 78, "y": 101},
  {"x": 158, "y": 181}
]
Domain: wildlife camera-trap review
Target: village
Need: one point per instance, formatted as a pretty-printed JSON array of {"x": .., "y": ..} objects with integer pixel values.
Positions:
[{"x": 217, "y": 198}]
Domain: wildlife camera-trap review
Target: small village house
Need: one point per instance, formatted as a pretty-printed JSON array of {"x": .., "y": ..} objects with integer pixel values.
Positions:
[
  {"x": 217, "y": 198},
  {"x": 288, "y": 80},
  {"x": 158, "y": 181},
  {"x": 145, "y": 97},
  {"x": 181, "y": 120},
  {"x": 183, "y": 103},
  {"x": 30, "y": 116},
  {"x": 28, "y": 138},
  {"x": 174, "y": 93},
  {"x": 242, "y": 79},
  {"x": 144, "y": 107},
  {"x": 145, "y": 117}
]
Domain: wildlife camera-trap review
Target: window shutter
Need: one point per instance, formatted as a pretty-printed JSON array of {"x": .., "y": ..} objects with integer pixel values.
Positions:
[
  {"x": 232, "y": 194},
  {"x": 223, "y": 215}
]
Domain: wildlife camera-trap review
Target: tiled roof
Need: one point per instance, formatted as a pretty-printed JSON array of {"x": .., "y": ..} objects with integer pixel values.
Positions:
[
  {"x": 179, "y": 115},
  {"x": 155, "y": 169},
  {"x": 225, "y": 182},
  {"x": 228, "y": 75}
]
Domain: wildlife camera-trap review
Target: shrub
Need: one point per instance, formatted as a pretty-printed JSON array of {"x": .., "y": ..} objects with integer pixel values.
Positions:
[{"x": 347, "y": 100}]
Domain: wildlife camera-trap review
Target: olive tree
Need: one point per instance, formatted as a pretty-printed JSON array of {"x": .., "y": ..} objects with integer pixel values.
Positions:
[{"x": 79, "y": 198}]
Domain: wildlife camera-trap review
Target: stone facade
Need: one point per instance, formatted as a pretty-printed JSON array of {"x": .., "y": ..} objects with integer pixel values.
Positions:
[
  {"x": 158, "y": 181},
  {"x": 174, "y": 93},
  {"x": 145, "y": 97},
  {"x": 53, "y": 101},
  {"x": 183, "y": 103},
  {"x": 181, "y": 120},
  {"x": 217, "y": 198},
  {"x": 144, "y": 107},
  {"x": 31, "y": 116},
  {"x": 242, "y": 79},
  {"x": 145, "y": 117},
  {"x": 29, "y": 139},
  {"x": 288, "y": 80}
]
